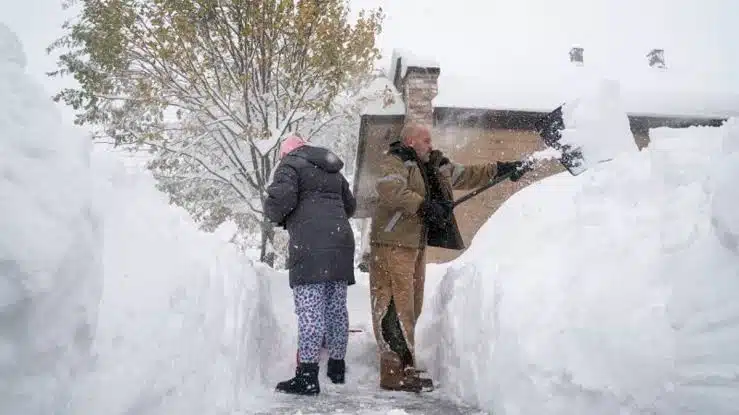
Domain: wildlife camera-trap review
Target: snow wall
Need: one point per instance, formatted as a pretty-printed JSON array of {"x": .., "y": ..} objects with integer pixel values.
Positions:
[
  {"x": 612, "y": 292},
  {"x": 111, "y": 300},
  {"x": 50, "y": 244}
]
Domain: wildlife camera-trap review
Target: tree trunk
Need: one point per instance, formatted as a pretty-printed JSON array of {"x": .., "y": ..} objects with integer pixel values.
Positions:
[{"x": 267, "y": 252}]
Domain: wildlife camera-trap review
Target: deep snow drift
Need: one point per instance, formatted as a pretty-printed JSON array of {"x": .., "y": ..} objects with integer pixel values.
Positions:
[
  {"x": 186, "y": 323},
  {"x": 111, "y": 300},
  {"x": 612, "y": 292},
  {"x": 50, "y": 252}
]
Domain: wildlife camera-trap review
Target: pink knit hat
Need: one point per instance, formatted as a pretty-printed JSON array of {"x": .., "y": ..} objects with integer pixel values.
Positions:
[{"x": 291, "y": 143}]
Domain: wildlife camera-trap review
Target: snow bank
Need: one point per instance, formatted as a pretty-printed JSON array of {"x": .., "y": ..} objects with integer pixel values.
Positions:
[
  {"x": 725, "y": 206},
  {"x": 612, "y": 292},
  {"x": 50, "y": 270},
  {"x": 111, "y": 300},
  {"x": 186, "y": 322}
]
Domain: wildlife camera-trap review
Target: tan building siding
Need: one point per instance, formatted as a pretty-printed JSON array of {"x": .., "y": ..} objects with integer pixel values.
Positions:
[
  {"x": 379, "y": 133},
  {"x": 472, "y": 145}
]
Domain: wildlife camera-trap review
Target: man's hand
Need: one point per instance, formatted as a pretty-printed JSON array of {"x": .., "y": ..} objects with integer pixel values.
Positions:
[
  {"x": 516, "y": 168},
  {"x": 437, "y": 158},
  {"x": 439, "y": 211}
]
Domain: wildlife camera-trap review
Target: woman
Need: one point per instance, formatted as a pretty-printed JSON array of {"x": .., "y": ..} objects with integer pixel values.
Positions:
[{"x": 311, "y": 199}]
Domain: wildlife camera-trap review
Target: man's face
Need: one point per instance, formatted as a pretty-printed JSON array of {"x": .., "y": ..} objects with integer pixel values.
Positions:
[{"x": 420, "y": 141}]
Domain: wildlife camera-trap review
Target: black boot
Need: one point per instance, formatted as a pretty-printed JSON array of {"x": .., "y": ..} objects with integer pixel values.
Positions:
[
  {"x": 336, "y": 370},
  {"x": 305, "y": 381}
]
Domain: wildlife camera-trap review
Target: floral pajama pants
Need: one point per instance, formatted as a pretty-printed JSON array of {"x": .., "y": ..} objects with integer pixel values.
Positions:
[{"x": 321, "y": 310}]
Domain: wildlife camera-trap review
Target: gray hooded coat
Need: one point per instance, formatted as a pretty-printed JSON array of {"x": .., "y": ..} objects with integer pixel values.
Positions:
[{"x": 312, "y": 200}]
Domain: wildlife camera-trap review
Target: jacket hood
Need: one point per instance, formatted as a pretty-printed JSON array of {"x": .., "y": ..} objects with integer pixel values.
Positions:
[
  {"x": 319, "y": 156},
  {"x": 291, "y": 143}
]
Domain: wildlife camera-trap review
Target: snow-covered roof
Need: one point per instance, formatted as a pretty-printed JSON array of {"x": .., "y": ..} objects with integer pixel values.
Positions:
[
  {"x": 658, "y": 93},
  {"x": 474, "y": 94},
  {"x": 459, "y": 92},
  {"x": 645, "y": 91},
  {"x": 408, "y": 59}
]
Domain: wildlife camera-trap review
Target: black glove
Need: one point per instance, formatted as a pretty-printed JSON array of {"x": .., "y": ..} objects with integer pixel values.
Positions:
[
  {"x": 437, "y": 158},
  {"x": 436, "y": 211},
  {"x": 517, "y": 168}
]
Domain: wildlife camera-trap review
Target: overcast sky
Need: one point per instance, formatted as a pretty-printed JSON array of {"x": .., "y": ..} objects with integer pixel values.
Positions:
[
  {"x": 509, "y": 37},
  {"x": 476, "y": 36}
]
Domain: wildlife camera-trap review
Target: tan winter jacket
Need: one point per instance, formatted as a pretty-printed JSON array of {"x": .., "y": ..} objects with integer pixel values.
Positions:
[{"x": 401, "y": 190}]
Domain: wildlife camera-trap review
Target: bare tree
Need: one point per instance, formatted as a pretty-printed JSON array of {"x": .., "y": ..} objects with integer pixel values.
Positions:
[{"x": 213, "y": 86}]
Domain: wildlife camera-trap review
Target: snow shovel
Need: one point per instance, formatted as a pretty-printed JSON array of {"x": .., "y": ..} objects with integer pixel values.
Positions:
[
  {"x": 481, "y": 189},
  {"x": 549, "y": 128}
]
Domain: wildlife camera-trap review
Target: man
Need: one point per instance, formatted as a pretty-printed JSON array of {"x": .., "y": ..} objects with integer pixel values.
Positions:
[{"x": 414, "y": 210}]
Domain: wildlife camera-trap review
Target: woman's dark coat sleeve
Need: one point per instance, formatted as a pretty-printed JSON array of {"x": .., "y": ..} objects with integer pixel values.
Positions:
[
  {"x": 282, "y": 194},
  {"x": 350, "y": 203}
]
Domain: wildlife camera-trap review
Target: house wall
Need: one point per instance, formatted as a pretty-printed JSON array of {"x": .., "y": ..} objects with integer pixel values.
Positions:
[{"x": 378, "y": 134}]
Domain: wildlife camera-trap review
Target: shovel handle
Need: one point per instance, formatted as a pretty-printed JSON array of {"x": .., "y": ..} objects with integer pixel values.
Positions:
[
  {"x": 481, "y": 189},
  {"x": 528, "y": 164}
]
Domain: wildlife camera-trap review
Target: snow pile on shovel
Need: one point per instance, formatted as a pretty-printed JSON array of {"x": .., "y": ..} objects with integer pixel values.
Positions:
[
  {"x": 610, "y": 292},
  {"x": 597, "y": 124},
  {"x": 590, "y": 129}
]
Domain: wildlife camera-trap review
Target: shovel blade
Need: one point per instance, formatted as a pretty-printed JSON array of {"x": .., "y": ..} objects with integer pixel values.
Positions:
[{"x": 550, "y": 129}]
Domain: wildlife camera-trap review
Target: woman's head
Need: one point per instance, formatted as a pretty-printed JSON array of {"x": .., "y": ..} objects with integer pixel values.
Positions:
[{"x": 291, "y": 143}]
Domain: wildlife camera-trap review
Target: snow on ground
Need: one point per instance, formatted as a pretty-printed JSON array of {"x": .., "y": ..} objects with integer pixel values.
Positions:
[
  {"x": 105, "y": 283},
  {"x": 612, "y": 292},
  {"x": 186, "y": 323},
  {"x": 361, "y": 394},
  {"x": 50, "y": 256}
]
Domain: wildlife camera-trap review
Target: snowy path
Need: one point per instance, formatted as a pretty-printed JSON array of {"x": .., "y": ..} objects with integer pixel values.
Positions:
[
  {"x": 361, "y": 394},
  {"x": 368, "y": 400}
]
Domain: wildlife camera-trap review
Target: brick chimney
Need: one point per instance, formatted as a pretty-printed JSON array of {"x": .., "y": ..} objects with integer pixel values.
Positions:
[
  {"x": 656, "y": 58},
  {"x": 417, "y": 80},
  {"x": 576, "y": 55}
]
